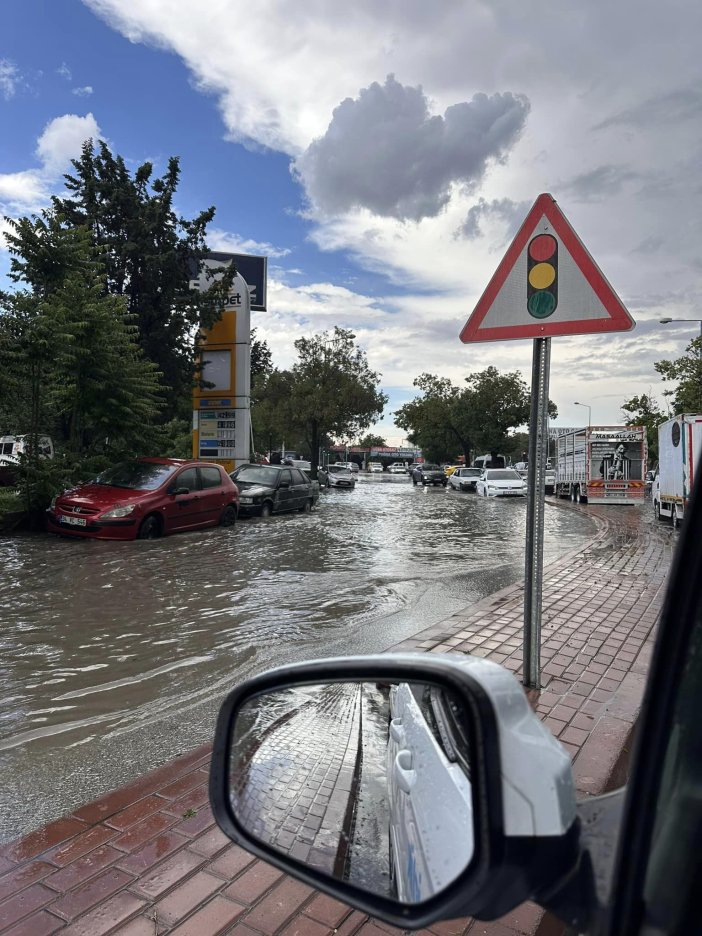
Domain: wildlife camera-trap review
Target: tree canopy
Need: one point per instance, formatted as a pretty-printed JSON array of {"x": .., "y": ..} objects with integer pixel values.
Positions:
[
  {"x": 686, "y": 373},
  {"x": 447, "y": 419},
  {"x": 371, "y": 441},
  {"x": 330, "y": 391},
  {"x": 644, "y": 411}
]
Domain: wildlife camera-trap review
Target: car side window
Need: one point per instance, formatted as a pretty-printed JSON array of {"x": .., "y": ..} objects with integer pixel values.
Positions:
[
  {"x": 210, "y": 477},
  {"x": 298, "y": 477},
  {"x": 286, "y": 476},
  {"x": 186, "y": 479}
]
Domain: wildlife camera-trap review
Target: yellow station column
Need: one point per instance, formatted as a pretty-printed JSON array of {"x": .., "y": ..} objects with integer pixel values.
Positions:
[{"x": 221, "y": 413}]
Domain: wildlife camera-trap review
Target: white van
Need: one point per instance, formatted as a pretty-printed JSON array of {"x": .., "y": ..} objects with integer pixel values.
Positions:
[
  {"x": 487, "y": 461},
  {"x": 11, "y": 447}
]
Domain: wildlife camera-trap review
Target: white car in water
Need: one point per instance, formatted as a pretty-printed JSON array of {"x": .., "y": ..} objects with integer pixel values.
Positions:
[
  {"x": 501, "y": 482},
  {"x": 429, "y": 792},
  {"x": 464, "y": 479},
  {"x": 375, "y": 467},
  {"x": 336, "y": 476}
]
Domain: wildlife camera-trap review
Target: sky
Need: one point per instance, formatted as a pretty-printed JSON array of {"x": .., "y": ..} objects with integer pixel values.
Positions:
[{"x": 383, "y": 155}]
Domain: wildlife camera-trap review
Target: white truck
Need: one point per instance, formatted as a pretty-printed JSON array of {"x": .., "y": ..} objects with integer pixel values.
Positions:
[
  {"x": 602, "y": 465},
  {"x": 679, "y": 448}
]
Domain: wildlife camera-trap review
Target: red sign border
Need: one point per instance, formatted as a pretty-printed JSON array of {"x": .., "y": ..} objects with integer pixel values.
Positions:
[{"x": 619, "y": 319}]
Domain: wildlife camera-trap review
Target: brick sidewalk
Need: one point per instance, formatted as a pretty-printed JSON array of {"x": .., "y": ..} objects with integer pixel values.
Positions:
[{"x": 147, "y": 859}]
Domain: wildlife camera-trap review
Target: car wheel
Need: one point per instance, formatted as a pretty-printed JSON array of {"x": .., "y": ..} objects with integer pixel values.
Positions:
[
  {"x": 266, "y": 509},
  {"x": 228, "y": 516},
  {"x": 306, "y": 507},
  {"x": 150, "y": 528},
  {"x": 676, "y": 517}
]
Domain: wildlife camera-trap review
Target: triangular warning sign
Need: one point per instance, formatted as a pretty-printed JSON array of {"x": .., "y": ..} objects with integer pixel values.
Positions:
[{"x": 546, "y": 285}]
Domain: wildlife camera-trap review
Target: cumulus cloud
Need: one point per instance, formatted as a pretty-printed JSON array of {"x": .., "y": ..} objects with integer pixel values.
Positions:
[
  {"x": 62, "y": 139},
  {"x": 386, "y": 152},
  {"x": 10, "y": 78},
  {"x": 504, "y": 210},
  {"x": 217, "y": 239}
]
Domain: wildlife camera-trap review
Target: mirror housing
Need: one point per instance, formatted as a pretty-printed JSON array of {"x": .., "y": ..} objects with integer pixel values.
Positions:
[{"x": 527, "y": 836}]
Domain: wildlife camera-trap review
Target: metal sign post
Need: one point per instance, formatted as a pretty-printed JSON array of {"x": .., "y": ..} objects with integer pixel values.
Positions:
[{"x": 534, "y": 561}]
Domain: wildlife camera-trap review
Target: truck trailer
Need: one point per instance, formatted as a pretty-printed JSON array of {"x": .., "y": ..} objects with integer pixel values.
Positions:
[
  {"x": 679, "y": 448},
  {"x": 602, "y": 465}
]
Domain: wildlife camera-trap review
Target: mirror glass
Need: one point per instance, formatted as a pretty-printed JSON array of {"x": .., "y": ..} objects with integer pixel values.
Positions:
[{"x": 367, "y": 782}]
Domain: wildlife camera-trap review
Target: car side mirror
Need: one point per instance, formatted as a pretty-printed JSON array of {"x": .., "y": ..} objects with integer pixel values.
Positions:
[{"x": 413, "y": 788}]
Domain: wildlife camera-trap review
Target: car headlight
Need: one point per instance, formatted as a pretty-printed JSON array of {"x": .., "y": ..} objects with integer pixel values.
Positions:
[
  {"x": 246, "y": 500},
  {"x": 117, "y": 512}
]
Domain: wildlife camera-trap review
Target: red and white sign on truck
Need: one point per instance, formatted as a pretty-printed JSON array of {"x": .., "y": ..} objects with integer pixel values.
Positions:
[
  {"x": 602, "y": 464},
  {"x": 679, "y": 448}
]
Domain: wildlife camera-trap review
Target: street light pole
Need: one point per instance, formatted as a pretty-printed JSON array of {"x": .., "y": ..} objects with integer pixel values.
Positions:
[{"x": 589, "y": 411}]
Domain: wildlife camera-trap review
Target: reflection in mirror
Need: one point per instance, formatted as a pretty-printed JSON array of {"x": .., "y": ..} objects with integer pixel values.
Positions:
[{"x": 366, "y": 782}]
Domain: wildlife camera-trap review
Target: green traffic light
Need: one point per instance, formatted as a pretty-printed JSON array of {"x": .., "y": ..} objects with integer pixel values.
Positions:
[{"x": 541, "y": 304}]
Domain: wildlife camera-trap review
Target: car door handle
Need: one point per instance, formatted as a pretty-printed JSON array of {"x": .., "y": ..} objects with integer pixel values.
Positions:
[
  {"x": 397, "y": 732},
  {"x": 404, "y": 775}
]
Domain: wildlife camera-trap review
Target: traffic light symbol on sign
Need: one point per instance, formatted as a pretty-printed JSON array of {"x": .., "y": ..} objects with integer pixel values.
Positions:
[{"x": 542, "y": 276}]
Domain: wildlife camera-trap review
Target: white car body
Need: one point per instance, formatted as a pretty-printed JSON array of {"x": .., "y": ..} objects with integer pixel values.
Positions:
[
  {"x": 349, "y": 466},
  {"x": 397, "y": 468},
  {"x": 464, "y": 479},
  {"x": 430, "y": 802},
  {"x": 336, "y": 476},
  {"x": 375, "y": 467},
  {"x": 501, "y": 482}
]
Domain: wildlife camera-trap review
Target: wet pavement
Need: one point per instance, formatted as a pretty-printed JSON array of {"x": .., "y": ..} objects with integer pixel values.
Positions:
[{"x": 114, "y": 656}]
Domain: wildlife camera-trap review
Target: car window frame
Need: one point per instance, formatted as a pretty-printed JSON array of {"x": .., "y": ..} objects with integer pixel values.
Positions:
[
  {"x": 177, "y": 481},
  {"x": 201, "y": 472},
  {"x": 680, "y": 617}
]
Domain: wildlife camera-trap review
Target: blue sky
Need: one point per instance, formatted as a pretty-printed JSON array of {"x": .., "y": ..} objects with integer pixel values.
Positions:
[{"x": 382, "y": 157}]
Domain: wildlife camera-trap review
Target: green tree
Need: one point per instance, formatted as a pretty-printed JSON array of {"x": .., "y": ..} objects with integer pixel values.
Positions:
[
  {"x": 644, "y": 411},
  {"x": 371, "y": 441},
  {"x": 149, "y": 252},
  {"x": 330, "y": 391},
  {"x": 447, "y": 419},
  {"x": 75, "y": 351},
  {"x": 686, "y": 374},
  {"x": 261, "y": 357}
]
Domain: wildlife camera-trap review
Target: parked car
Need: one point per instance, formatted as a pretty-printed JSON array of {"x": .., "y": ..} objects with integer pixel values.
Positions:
[
  {"x": 464, "y": 479},
  {"x": 429, "y": 474},
  {"x": 335, "y": 476},
  {"x": 350, "y": 466},
  {"x": 269, "y": 489},
  {"x": 375, "y": 467},
  {"x": 146, "y": 498},
  {"x": 397, "y": 468},
  {"x": 490, "y": 461},
  {"x": 427, "y": 804},
  {"x": 501, "y": 482}
]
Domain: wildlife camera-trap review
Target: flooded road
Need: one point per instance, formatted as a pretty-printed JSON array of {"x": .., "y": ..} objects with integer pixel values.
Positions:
[{"x": 114, "y": 656}]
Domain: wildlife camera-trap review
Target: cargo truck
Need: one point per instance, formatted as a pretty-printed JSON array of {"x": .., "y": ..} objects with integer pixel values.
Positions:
[
  {"x": 602, "y": 465},
  {"x": 679, "y": 448}
]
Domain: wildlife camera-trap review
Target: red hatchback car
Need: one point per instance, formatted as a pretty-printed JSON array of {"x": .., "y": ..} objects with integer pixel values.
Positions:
[{"x": 146, "y": 498}]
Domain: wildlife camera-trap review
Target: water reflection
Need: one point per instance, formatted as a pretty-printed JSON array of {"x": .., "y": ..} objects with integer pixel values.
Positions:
[{"x": 115, "y": 656}]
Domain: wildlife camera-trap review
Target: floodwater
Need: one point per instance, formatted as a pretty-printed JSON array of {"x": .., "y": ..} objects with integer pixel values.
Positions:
[{"x": 114, "y": 657}]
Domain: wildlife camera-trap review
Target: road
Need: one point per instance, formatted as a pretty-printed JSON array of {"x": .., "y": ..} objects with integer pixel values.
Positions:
[{"x": 115, "y": 656}]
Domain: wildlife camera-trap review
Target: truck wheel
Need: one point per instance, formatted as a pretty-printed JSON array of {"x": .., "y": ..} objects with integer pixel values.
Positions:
[
  {"x": 572, "y": 495},
  {"x": 577, "y": 495},
  {"x": 676, "y": 517},
  {"x": 657, "y": 510}
]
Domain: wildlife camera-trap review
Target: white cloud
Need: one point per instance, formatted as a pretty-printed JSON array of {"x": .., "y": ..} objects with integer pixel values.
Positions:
[
  {"x": 62, "y": 139},
  {"x": 65, "y": 72},
  {"x": 232, "y": 243},
  {"x": 85, "y": 91},
  {"x": 10, "y": 78}
]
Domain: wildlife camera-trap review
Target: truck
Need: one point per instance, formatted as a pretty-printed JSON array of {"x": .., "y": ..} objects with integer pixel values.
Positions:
[
  {"x": 679, "y": 449},
  {"x": 602, "y": 465}
]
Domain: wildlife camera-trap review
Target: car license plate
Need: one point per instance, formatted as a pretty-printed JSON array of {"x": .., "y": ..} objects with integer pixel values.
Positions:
[{"x": 74, "y": 521}]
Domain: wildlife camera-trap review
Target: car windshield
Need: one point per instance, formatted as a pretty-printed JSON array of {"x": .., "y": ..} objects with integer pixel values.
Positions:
[
  {"x": 256, "y": 474},
  {"x": 430, "y": 468},
  {"x": 137, "y": 475},
  {"x": 502, "y": 474},
  {"x": 338, "y": 469}
]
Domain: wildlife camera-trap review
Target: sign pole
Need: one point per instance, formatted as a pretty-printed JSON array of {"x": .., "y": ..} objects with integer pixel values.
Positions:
[{"x": 534, "y": 563}]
